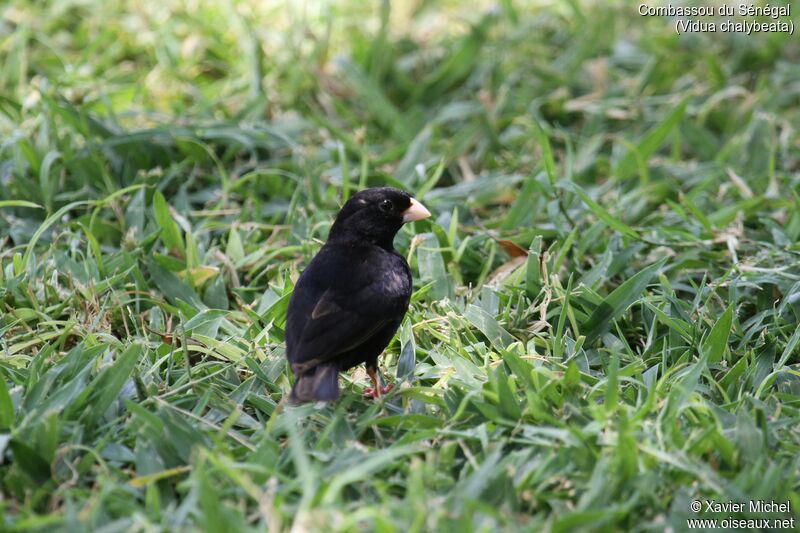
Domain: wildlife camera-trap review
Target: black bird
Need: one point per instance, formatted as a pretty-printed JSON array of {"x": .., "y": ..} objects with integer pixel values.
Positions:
[{"x": 352, "y": 297}]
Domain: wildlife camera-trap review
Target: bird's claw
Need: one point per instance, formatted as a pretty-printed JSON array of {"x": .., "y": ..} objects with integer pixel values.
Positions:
[{"x": 369, "y": 392}]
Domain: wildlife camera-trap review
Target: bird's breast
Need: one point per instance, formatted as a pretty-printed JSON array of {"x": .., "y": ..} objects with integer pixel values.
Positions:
[
  {"x": 395, "y": 276},
  {"x": 397, "y": 282}
]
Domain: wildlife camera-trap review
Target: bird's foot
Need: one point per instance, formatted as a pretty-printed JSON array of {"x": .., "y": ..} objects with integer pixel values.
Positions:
[{"x": 372, "y": 392}]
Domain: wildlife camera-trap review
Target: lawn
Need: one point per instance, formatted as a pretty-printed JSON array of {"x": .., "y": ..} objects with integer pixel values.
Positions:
[{"x": 605, "y": 320}]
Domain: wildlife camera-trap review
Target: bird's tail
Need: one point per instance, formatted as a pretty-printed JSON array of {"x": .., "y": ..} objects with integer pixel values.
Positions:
[{"x": 321, "y": 383}]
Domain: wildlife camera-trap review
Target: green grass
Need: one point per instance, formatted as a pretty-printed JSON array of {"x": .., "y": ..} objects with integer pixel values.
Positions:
[{"x": 167, "y": 169}]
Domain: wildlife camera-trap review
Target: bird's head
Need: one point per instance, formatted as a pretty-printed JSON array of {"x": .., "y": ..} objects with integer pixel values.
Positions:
[{"x": 376, "y": 215}]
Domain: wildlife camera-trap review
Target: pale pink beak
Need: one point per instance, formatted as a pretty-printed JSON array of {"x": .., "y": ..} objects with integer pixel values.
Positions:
[{"x": 417, "y": 211}]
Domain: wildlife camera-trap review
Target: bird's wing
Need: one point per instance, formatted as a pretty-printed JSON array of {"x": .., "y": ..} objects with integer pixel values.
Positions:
[
  {"x": 336, "y": 322},
  {"x": 334, "y": 310}
]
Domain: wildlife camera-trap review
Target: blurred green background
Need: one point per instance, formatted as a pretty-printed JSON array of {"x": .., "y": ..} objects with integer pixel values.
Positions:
[{"x": 605, "y": 322}]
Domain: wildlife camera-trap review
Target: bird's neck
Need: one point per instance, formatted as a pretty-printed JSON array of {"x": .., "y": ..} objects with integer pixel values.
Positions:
[{"x": 357, "y": 240}]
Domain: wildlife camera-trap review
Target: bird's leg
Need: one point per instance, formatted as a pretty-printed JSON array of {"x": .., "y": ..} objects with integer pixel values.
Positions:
[{"x": 376, "y": 391}]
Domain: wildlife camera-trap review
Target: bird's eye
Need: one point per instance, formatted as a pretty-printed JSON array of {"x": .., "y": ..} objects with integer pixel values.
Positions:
[{"x": 385, "y": 205}]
